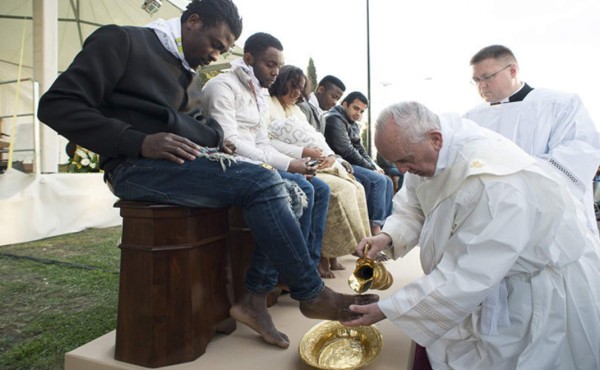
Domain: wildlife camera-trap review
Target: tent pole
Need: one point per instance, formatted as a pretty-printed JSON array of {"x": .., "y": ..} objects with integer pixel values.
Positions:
[{"x": 45, "y": 67}]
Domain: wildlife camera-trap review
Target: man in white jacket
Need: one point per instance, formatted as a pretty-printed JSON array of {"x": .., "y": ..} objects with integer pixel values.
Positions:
[
  {"x": 511, "y": 270},
  {"x": 237, "y": 100}
]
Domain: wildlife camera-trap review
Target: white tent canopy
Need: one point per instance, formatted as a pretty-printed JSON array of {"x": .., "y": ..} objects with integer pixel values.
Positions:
[
  {"x": 48, "y": 34},
  {"x": 77, "y": 19},
  {"x": 40, "y": 38}
]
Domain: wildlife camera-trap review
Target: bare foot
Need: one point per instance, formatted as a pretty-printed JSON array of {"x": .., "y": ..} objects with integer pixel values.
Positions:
[
  {"x": 335, "y": 265},
  {"x": 324, "y": 270},
  {"x": 283, "y": 286},
  {"x": 375, "y": 229},
  {"x": 251, "y": 310},
  {"x": 273, "y": 296},
  {"x": 330, "y": 305}
]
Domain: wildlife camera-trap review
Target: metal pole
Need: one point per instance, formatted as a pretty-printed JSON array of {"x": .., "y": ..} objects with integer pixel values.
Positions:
[{"x": 368, "y": 144}]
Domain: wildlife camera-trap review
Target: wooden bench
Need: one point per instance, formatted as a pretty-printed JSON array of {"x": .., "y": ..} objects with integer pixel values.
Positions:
[{"x": 177, "y": 280}]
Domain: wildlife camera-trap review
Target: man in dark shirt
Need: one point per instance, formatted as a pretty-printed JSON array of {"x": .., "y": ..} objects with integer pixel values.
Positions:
[
  {"x": 342, "y": 133},
  {"x": 125, "y": 97}
]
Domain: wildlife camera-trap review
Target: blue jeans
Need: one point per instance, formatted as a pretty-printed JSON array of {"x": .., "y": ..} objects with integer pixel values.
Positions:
[
  {"x": 261, "y": 193},
  {"x": 379, "y": 191},
  {"x": 312, "y": 221},
  {"x": 393, "y": 171}
]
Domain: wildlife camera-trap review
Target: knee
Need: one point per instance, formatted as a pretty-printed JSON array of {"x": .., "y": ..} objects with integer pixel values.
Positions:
[
  {"x": 306, "y": 186},
  {"x": 268, "y": 184},
  {"x": 320, "y": 187}
]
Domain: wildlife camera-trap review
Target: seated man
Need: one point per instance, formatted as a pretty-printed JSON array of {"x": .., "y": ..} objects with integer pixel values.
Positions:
[
  {"x": 237, "y": 101},
  {"x": 325, "y": 97},
  {"x": 123, "y": 97},
  {"x": 342, "y": 133}
]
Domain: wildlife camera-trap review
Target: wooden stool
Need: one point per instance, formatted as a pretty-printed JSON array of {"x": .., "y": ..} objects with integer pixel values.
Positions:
[{"x": 175, "y": 286}]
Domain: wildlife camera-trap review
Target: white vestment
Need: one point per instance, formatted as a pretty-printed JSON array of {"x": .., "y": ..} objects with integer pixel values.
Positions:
[
  {"x": 492, "y": 216},
  {"x": 555, "y": 127}
]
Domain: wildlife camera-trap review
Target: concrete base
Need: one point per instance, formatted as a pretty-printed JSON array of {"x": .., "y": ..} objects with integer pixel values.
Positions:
[{"x": 243, "y": 349}]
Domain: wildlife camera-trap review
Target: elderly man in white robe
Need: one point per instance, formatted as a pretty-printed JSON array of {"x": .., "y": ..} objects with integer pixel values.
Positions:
[
  {"x": 550, "y": 125},
  {"x": 512, "y": 273}
]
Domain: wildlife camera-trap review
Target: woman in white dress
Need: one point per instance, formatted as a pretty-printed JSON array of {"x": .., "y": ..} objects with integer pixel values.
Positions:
[{"x": 292, "y": 134}]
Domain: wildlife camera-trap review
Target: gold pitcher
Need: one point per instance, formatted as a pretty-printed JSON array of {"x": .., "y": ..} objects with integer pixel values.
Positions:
[{"x": 369, "y": 274}]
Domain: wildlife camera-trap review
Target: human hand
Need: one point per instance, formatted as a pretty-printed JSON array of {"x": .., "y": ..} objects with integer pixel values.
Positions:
[
  {"x": 300, "y": 166},
  {"x": 371, "y": 313},
  {"x": 312, "y": 152},
  {"x": 326, "y": 162},
  {"x": 347, "y": 166},
  {"x": 174, "y": 148},
  {"x": 228, "y": 147},
  {"x": 377, "y": 243}
]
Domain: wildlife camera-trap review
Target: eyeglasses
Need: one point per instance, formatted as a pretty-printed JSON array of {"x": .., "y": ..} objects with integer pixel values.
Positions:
[{"x": 478, "y": 80}]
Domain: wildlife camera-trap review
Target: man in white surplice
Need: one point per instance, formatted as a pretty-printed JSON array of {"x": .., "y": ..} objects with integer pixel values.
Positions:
[
  {"x": 512, "y": 273},
  {"x": 551, "y": 125}
]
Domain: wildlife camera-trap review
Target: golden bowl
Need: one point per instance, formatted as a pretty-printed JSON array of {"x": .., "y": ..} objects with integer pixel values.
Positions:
[{"x": 332, "y": 346}]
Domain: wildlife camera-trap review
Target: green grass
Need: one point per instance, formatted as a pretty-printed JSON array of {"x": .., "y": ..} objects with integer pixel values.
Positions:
[{"x": 56, "y": 295}]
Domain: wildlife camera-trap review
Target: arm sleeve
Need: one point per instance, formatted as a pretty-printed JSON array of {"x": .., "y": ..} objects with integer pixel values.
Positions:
[
  {"x": 294, "y": 151},
  {"x": 218, "y": 102},
  {"x": 574, "y": 136},
  {"x": 72, "y": 104},
  {"x": 406, "y": 221},
  {"x": 478, "y": 255},
  {"x": 92, "y": 104}
]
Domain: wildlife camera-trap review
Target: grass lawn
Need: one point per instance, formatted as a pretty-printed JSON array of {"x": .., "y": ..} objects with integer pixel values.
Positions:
[{"x": 56, "y": 295}]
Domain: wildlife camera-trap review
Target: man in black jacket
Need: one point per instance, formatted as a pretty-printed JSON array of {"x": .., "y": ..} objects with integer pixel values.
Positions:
[
  {"x": 342, "y": 133},
  {"x": 125, "y": 97}
]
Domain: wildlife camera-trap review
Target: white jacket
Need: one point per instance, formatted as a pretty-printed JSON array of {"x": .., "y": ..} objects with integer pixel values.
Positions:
[{"x": 229, "y": 98}]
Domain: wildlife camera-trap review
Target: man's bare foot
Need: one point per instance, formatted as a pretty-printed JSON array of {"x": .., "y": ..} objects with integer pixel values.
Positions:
[
  {"x": 251, "y": 310},
  {"x": 330, "y": 305},
  {"x": 375, "y": 229},
  {"x": 283, "y": 286},
  {"x": 324, "y": 270},
  {"x": 335, "y": 265}
]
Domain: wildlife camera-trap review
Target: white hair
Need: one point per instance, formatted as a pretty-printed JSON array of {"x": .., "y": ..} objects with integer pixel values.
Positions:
[{"x": 414, "y": 119}]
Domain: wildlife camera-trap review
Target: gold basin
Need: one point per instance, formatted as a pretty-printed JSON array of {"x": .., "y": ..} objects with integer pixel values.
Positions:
[{"x": 332, "y": 346}]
